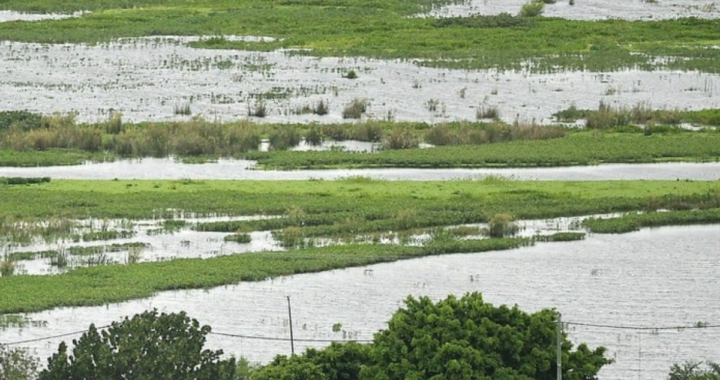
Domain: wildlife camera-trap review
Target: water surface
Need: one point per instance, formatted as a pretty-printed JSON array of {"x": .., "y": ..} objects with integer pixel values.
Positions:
[{"x": 650, "y": 278}]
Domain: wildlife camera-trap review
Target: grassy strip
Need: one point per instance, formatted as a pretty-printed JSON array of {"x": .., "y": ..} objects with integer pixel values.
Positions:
[
  {"x": 115, "y": 283},
  {"x": 133, "y": 199},
  {"x": 562, "y": 236},
  {"x": 383, "y": 29},
  {"x": 633, "y": 222},
  {"x": 581, "y": 148},
  {"x": 53, "y": 157}
]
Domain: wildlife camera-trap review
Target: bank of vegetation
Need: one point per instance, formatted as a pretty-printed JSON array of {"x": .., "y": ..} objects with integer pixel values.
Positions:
[{"x": 613, "y": 136}]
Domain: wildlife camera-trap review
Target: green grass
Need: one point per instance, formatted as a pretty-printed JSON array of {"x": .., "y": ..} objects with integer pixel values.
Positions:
[
  {"x": 633, "y": 222},
  {"x": 328, "y": 209},
  {"x": 115, "y": 283},
  {"x": 493, "y": 144},
  {"x": 383, "y": 29},
  {"x": 580, "y": 148}
]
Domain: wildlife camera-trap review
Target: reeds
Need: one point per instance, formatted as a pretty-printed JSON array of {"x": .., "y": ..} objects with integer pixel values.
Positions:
[{"x": 355, "y": 109}]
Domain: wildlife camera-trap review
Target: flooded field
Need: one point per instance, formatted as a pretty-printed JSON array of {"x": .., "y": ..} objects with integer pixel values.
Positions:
[
  {"x": 152, "y": 168},
  {"x": 592, "y": 9},
  {"x": 160, "y": 240},
  {"x": 150, "y": 79},
  {"x": 133, "y": 241},
  {"x": 662, "y": 277}
]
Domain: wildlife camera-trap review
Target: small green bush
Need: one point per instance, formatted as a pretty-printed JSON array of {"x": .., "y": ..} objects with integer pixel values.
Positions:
[{"x": 532, "y": 9}]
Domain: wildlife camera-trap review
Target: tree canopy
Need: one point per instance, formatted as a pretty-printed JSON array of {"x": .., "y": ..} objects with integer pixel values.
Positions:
[
  {"x": 454, "y": 339},
  {"x": 148, "y": 346}
]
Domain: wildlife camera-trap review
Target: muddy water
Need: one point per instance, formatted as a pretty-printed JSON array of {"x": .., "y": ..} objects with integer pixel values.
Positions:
[
  {"x": 151, "y": 168},
  {"x": 651, "y": 278},
  {"x": 148, "y": 78},
  {"x": 592, "y": 9}
]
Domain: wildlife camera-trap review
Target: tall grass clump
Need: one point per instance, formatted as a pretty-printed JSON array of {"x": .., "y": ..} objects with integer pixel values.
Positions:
[
  {"x": 370, "y": 131},
  {"x": 355, "y": 109},
  {"x": 314, "y": 136},
  {"x": 487, "y": 112},
  {"x": 183, "y": 109},
  {"x": 401, "y": 138},
  {"x": 259, "y": 109},
  {"x": 7, "y": 267},
  {"x": 501, "y": 225},
  {"x": 532, "y": 9},
  {"x": 284, "y": 138}
]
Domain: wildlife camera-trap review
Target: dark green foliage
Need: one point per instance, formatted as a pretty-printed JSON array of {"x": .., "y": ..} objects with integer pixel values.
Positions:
[
  {"x": 337, "y": 362},
  {"x": 502, "y": 20},
  {"x": 146, "y": 346},
  {"x": 314, "y": 136},
  {"x": 694, "y": 371},
  {"x": 22, "y": 120},
  {"x": 23, "y": 180},
  {"x": 238, "y": 238},
  {"x": 467, "y": 338},
  {"x": 562, "y": 236},
  {"x": 284, "y": 138},
  {"x": 452, "y": 339},
  {"x": 17, "y": 364}
]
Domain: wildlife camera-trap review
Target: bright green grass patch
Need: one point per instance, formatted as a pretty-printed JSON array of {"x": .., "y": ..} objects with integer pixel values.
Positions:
[
  {"x": 51, "y": 157},
  {"x": 633, "y": 222},
  {"x": 575, "y": 149},
  {"x": 383, "y": 29}
]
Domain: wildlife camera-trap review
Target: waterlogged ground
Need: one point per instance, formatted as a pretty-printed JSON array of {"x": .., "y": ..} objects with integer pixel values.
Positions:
[
  {"x": 652, "y": 278},
  {"x": 153, "y": 168},
  {"x": 148, "y": 79},
  {"x": 153, "y": 242},
  {"x": 159, "y": 244},
  {"x": 592, "y": 9}
]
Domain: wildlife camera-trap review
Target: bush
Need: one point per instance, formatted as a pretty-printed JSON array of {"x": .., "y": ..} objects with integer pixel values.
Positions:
[
  {"x": 501, "y": 225},
  {"x": 532, "y": 9}
]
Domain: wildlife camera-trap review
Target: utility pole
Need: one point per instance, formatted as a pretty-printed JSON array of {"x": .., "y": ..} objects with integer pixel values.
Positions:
[
  {"x": 292, "y": 340},
  {"x": 559, "y": 346}
]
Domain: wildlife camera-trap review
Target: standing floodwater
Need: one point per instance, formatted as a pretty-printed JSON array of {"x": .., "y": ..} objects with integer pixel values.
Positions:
[{"x": 652, "y": 278}]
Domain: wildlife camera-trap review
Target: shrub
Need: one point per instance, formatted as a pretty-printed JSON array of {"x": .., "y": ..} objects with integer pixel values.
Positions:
[
  {"x": 501, "y": 225},
  {"x": 532, "y": 9},
  {"x": 400, "y": 138}
]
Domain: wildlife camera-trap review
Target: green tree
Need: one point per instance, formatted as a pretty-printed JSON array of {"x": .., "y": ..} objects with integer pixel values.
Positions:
[
  {"x": 149, "y": 346},
  {"x": 467, "y": 338},
  {"x": 16, "y": 364},
  {"x": 694, "y": 371},
  {"x": 337, "y": 362}
]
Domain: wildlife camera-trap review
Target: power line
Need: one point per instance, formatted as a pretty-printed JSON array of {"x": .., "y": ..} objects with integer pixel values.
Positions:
[
  {"x": 288, "y": 339},
  {"x": 50, "y": 337},
  {"x": 281, "y": 339},
  {"x": 638, "y": 328}
]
